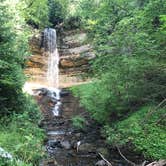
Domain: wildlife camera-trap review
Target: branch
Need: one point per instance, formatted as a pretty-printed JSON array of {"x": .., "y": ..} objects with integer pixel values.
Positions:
[
  {"x": 153, "y": 110},
  {"x": 108, "y": 163},
  {"x": 161, "y": 118},
  {"x": 130, "y": 162},
  {"x": 157, "y": 163},
  {"x": 143, "y": 164}
]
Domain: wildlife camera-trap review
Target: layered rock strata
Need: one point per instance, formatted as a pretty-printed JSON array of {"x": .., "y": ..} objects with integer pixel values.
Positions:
[{"x": 75, "y": 55}]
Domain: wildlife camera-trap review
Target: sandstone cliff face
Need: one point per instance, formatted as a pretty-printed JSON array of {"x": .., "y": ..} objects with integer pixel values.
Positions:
[{"x": 75, "y": 55}]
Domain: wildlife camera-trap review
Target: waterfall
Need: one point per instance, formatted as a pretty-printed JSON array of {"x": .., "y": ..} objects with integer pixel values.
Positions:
[{"x": 50, "y": 48}]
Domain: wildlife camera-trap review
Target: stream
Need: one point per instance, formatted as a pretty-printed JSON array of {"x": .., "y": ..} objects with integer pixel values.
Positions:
[
  {"x": 64, "y": 144},
  {"x": 68, "y": 146}
]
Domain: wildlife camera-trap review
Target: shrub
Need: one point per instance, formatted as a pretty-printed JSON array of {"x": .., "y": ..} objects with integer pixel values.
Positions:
[
  {"x": 23, "y": 139},
  {"x": 146, "y": 134},
  {"x": 78, "y": 122}
]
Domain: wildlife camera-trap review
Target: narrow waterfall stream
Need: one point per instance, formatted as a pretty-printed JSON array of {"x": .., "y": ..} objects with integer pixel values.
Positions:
[{"x": 50, "y": 47}]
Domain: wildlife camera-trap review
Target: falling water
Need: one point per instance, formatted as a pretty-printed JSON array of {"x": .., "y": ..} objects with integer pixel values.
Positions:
[{"x": 50, "y": 46}]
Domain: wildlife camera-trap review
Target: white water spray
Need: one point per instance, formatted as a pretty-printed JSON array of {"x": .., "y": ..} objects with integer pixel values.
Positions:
[{"x": 50, "y": 46}]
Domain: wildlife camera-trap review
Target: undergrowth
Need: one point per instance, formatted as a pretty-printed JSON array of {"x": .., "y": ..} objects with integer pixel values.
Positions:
[
  {"x": 21, "y": 137},
  {"x": 143, "y": 127},
  {"x": 146, "y": 133}
]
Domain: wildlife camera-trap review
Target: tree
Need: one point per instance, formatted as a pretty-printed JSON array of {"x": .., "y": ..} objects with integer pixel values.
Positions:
[{"x": 13, "y": 49}]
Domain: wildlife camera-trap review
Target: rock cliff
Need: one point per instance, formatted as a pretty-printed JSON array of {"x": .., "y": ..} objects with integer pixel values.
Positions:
[{"x": 75, "y": 55}]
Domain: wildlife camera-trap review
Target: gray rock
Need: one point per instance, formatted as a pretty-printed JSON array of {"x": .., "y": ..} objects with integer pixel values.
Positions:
[
  {"x": 53, "y": 143},
  {"x": 101, "y": 163},
  {"x": 78, "y": 135},
  {"x": 86, "y": 147},
  {"x": 65, "y": 144}
]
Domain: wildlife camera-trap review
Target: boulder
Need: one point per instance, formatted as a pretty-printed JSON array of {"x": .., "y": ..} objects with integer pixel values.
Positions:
[
  {"x": 66, "y": 144},
  {"x": 86, "y": 148}
]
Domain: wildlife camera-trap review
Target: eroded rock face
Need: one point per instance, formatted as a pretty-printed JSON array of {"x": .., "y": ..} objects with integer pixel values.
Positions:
[
  {"x": 75, "y": 55},
  {"x": 35, "y": 43},
  {"x": 76, "y": 60}
]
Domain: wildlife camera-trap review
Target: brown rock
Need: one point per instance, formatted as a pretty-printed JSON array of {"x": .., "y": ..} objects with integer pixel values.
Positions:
[{"x": 76, "y": 60}]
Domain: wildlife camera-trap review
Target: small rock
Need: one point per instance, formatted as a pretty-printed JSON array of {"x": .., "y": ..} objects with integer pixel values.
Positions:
[
  {"x": 53, "y": 143},
  {"x": 78, "y": 135},
  {"x": 66, "y": 144},
  {"x": 101, "y": 163}
]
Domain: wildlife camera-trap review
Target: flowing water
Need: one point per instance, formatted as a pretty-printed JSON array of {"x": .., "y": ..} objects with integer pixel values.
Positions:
[{"x": 50, "y": 47}]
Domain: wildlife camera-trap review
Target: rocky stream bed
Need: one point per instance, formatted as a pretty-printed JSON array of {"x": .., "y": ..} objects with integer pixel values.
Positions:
[{"x": 67, "y": 146}]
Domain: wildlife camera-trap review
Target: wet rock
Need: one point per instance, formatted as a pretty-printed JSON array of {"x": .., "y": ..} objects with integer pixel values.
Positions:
[
  {"x": 65, "y": 144},
  {"x": 86, "y": 148},
  {"x": 52, "y": 162},
  {"x": 54, "y": 143},
  {"x": 64, "y": 93},
  {"x": 101, "y": 163},
  {"x": 78, "y": 135}
]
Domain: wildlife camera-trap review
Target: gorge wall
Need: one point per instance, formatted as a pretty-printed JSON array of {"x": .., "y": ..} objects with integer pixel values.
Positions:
[{"x": 75, "y": 54}]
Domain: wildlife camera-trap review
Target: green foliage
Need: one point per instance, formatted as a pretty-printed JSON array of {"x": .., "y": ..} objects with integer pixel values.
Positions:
[
  {"x": 57, "y": 11},
  {"x": 92, "y": 98},
  {"x": 6, "y": 162},
  {"x": 130, "y": 54},
  {"x": 35, "y": 12},
  {"x": 146, "y": 134},
  {"x": 78, "y": 122},
  {"x": 128, "y": 38},
  {"x": 13, "y": 49},
  {"x": 21, "y": 137}
]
